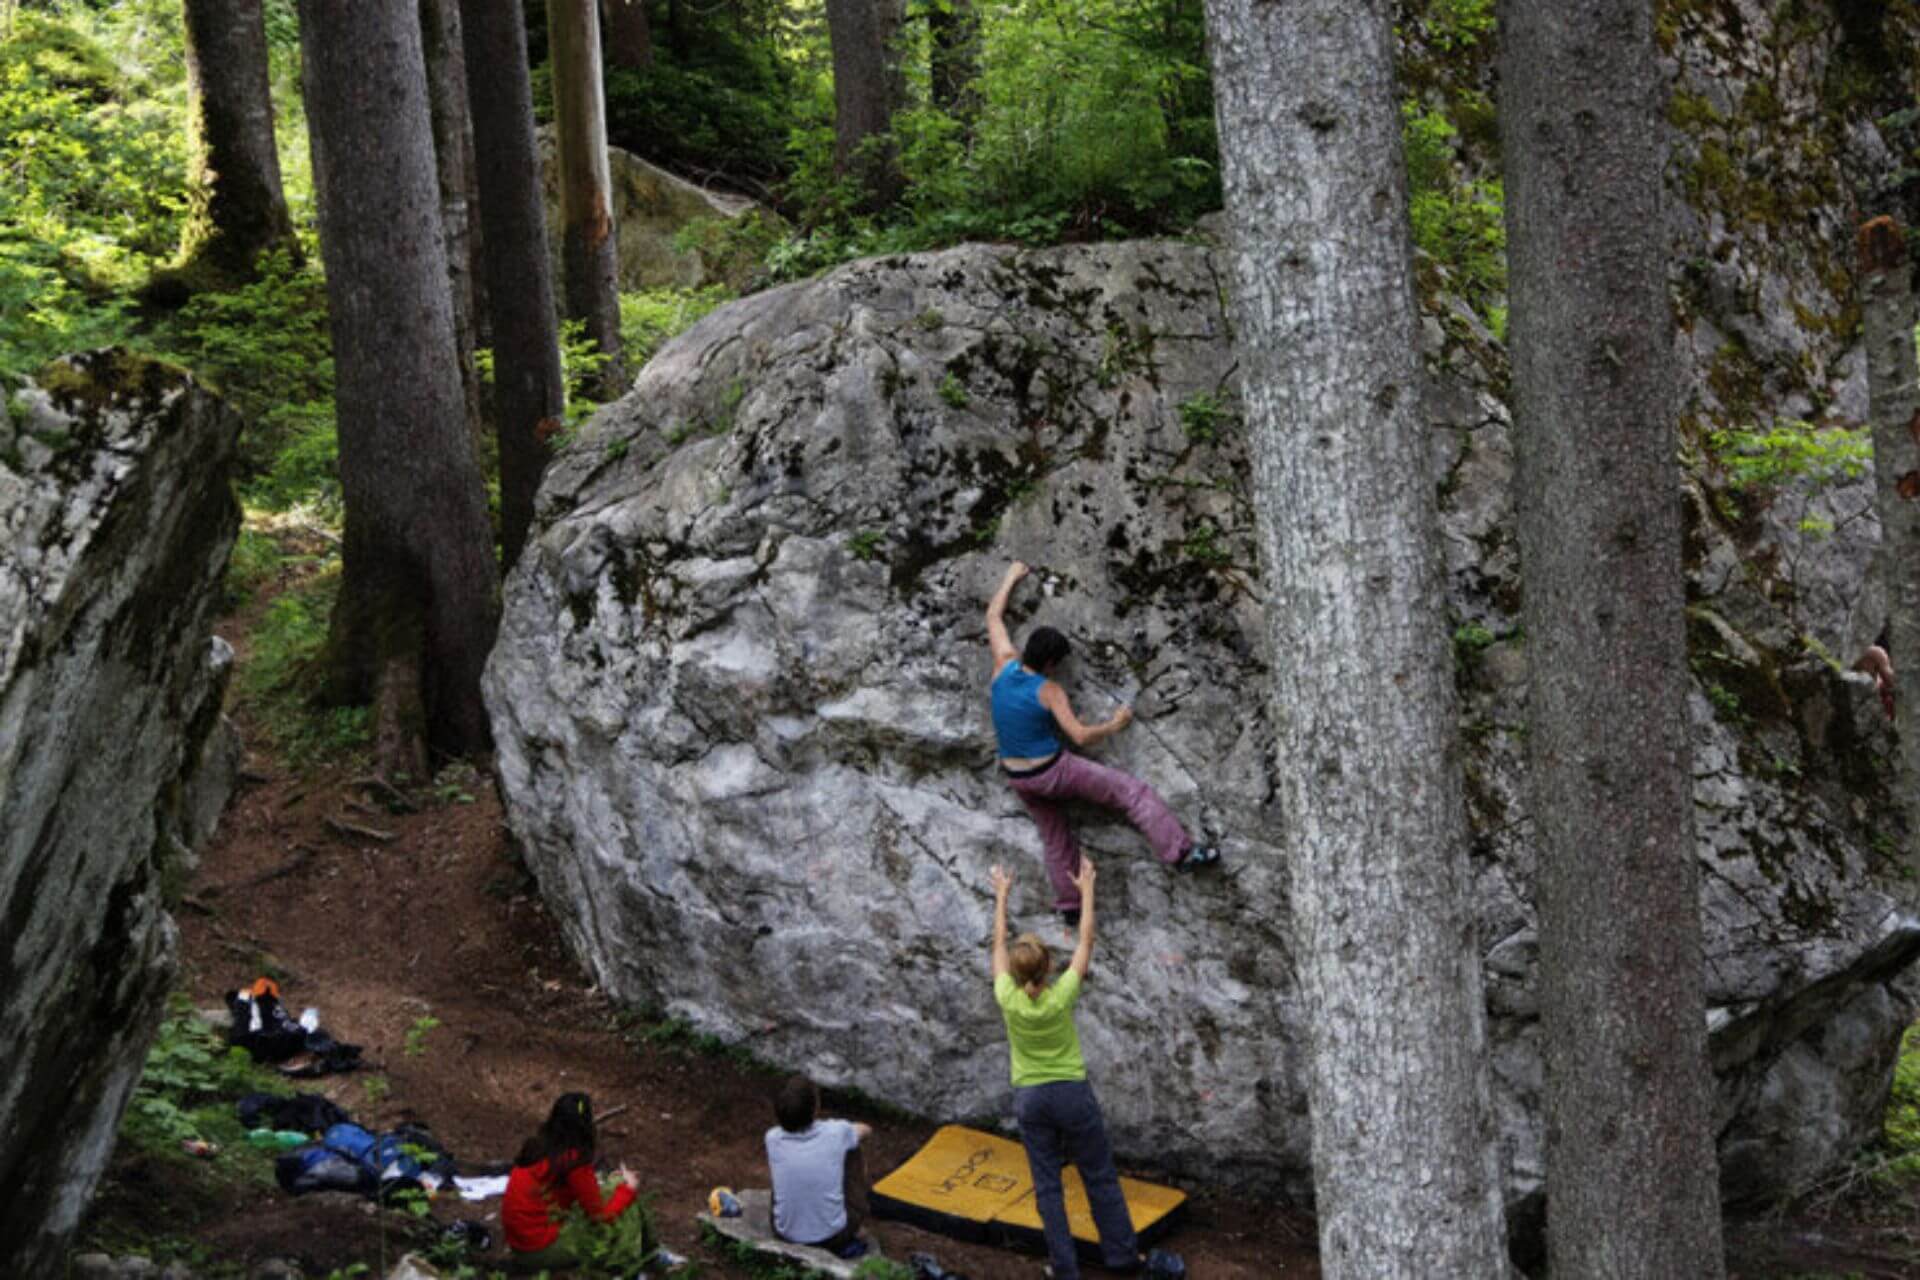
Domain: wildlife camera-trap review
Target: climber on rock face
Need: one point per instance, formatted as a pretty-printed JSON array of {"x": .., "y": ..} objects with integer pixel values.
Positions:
[{"x": 1031, "y": 717}]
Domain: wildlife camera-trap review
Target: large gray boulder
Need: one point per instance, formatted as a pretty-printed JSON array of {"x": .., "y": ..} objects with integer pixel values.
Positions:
[
  {"x": 650, "y": 209},
  {"x": 116, "y": 518},
  {"x": 739, "y": 697}
]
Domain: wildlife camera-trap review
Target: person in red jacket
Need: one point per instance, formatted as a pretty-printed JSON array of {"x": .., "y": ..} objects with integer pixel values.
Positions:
[{"x": 552, "y": 1173}]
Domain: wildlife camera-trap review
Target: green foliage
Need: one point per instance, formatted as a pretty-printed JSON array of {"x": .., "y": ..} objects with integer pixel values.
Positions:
[
  {"x": 865, "y": 544},
  {"x": 256, "y": 561},
  {"x": 1204, "y": 416},
  {"x": 721, "y": 101},
  {"x": 1460, "y": 223},
  {"x": 414, "y": 1043},
  {"x": 1448, "y": 25},
  {"x": 280, "y": 678},
  {"x": 1092, "y": 119},
  {"x": 1756, "y": 459},
  {"x": 883, "y": 1269},
  {"x": 954, "y": 391},
  {"x": 1470, "y": 641},
  {"x": 377, "y": 1089},
  {"x": 1204, "y": 546},
  {"x": 187, "y": 1067},
  {"x": 265, "y": 347},
  {"x": 92, "y": 185},
  {"x": 650, "y": 318},
  {"x": 1901, "y": 1131},
  {"x": 618, "y": 1248}
]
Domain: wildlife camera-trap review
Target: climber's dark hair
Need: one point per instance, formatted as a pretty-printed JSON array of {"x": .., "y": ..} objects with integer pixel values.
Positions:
[
  {"x": 796, "y": 1104},
  {"x": 1046, "y": 648},
  {"x": 565, "y": 1141}
]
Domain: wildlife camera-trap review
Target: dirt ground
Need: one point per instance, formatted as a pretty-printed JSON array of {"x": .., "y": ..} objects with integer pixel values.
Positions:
[{"x": 441, "y": 922}]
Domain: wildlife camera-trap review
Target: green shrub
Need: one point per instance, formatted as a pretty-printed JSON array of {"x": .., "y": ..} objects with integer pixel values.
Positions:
[
  {"x": 650, "y": 318},
  {"x": 1461, "y": 223},
  {"x": 279, "y": 680},
  {"x": 188, "y": 1067}
]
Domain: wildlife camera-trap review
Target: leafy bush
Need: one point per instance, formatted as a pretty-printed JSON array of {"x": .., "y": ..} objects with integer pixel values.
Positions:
[
  {"x": 279, "y": 679},
  {"x": 618, "y": 1248},
  {"x": 266, "y": 348},
  {"x": 93, "y": 185},
  {"x": 1756, "y": 459},
  {"x": 1094, "y": 119},
  {"x": 188, "y": 1066},
  {"x": 650, "y": 318},
  {"x": 1461, "y": 223}
]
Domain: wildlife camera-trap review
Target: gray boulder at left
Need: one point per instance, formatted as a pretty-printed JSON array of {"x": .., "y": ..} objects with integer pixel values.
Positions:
[{"x": 116, "y": 518}]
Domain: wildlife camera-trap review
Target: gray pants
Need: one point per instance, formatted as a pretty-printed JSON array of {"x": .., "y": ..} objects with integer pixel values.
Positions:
[{"x": 1060, "y": 1123}]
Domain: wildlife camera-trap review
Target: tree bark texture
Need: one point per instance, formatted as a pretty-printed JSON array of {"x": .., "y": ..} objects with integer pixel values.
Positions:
[
  {"x": 237, "y": 209},
  {"x": 1886, "y": 288},
  {"x": 629, "y": 37},
  {"x": 419, "y": 576},
  {"x": 1406, "y": 1171},
  {"x": 588, "y": 259},
  {"x": 528, "y": 395},
  {"x": 1631, "y": 1170},
  {"x": 954, "y": 26},
  {"x": 446, "y": 61},
  {"x": 868, "y": 87}
]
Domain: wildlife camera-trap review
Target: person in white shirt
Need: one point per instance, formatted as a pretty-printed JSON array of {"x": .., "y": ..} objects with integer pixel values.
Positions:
[{"x": 819, "y": 1174}]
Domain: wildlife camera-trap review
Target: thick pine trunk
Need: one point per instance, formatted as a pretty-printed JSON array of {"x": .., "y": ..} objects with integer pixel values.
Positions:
[
  {"x": 629, "y": 36},
  {"x": 418, "y": 596},
  {"x": 446, "y": 62},
  {"x": 1631, "y": 1174},
  {"x": 588, "y": 259},
  {"x": 1406, "y": 1172},
  {"x": 868, "y": 87},
  {"x": 1886, "y": 286},
  {"x": 237, "y": 210},
  {"x": 528, "y": 394}
]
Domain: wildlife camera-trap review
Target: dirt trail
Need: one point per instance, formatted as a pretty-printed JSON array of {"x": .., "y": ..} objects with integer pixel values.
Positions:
[{"x": 440, "y": 922}]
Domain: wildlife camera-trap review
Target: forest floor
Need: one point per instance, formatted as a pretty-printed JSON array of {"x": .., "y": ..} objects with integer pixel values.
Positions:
[{"x": 434, "y": 952}]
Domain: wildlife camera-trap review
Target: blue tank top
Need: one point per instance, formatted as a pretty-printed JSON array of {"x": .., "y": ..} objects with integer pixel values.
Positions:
[{"x": 1025, "y": 728}]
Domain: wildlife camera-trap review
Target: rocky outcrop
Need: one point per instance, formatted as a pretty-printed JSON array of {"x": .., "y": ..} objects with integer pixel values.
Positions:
[
  {"x": 739, "y": 693},
  {"x": 739, "y": 699},
  {"x": 115, "y": 522},
  {"x": 650, "y": 208}
]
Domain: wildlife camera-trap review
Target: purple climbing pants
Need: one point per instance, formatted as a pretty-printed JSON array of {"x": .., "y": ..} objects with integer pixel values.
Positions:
[{"x": 1072, "y": 777}]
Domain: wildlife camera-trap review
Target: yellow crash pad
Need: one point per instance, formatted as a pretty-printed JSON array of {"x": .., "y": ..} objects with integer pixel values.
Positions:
[{"x": 977, "y": 1186}]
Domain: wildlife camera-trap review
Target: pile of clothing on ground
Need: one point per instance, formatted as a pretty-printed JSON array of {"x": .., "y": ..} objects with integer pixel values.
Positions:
[{"x": 297, "y": 1046}]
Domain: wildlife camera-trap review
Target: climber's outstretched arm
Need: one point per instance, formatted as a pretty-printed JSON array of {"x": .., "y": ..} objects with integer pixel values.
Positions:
[
  {"x": 1002, "y": 883},
  {"x": 997, "y": 637}
]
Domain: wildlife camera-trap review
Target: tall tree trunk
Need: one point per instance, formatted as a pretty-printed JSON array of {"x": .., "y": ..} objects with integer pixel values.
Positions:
[
  {"x": 1893, "y": 383},
  {"x": 868, "y": 87},
  {"x": 528, "y": 394},
  {"x": 446, "y": 61},
  {"x": 1631, "y": 1173},
  {"x": 418, "y": 595},
  {"x": 1406, "y": 1173},
  {"x": 629, "y": 36},
  {"x": 237, "y": 210},
  {"x": 955, "y": 56},
  {"x": 588, "y": 255}
]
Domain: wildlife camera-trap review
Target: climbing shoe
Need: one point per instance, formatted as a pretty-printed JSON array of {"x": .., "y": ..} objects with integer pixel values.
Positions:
[
  {"x": 1071, "y": 919},
  {"x": 1197, "y": 856}
]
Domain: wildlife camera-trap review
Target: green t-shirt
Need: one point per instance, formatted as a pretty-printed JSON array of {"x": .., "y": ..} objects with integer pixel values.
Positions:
[{"x": 1040, "y": 1033}]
